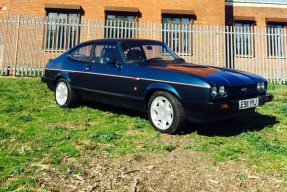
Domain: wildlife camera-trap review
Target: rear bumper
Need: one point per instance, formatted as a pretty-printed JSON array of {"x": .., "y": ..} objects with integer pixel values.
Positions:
[
  {"x": 206, "y": 112},
  {"x": 50, "y": 83}
]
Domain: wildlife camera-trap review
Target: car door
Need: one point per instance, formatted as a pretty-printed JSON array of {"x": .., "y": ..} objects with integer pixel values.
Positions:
[
  {"x": 76, "y": 63},
  {"x": 106, "y": 74}
]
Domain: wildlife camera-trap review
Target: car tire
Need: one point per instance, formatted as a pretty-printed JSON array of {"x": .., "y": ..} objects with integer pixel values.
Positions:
[
  {"x": 166, "y": 113},
  {"x": 64, "y": 95}
]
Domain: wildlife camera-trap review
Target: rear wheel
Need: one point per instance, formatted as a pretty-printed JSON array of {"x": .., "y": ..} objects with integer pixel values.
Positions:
[
  {"x": 64, "y": 95},
  {"x": 166, "y": 113}
]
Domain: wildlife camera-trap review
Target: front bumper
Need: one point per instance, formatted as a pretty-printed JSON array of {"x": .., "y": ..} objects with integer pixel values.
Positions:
[{"x": 205, "y": 112}]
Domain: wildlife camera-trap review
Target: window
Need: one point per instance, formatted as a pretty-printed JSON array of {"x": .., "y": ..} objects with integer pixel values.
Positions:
[
  {"x": 103, "y": 52},
  {"x": 176, "y": 33},
  {"x": 62, "y": 30},
  {"x": 243, "y": 44},
  {"x": 119, "y": 26},
  {"x": 275, "y": 40},
  {"x": 157, "y": 52},
  {"x": 146, "y": 51},
  {"x": 120, "y": 21},
  {"x": 82, "y": 53}
]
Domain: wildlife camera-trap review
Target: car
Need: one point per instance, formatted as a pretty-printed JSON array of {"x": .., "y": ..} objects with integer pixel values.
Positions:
[{"x": 146, "y": 75}]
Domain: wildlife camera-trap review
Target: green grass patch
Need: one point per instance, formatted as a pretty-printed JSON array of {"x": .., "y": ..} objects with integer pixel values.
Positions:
[
  {"x": 34, "y": 129},
  {"x": 105, "y": 137}
]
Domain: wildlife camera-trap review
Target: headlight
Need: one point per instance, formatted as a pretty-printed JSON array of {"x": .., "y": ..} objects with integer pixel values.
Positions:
[
  {"x": 262, "y": 86},
  {"x": 214, "y": 92},
  {"x": 258, "y": 86},
  {"x": 222, "y": 91}
]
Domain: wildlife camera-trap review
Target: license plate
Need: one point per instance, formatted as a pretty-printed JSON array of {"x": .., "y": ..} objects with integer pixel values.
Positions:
[{"x": 248, "y": 103}]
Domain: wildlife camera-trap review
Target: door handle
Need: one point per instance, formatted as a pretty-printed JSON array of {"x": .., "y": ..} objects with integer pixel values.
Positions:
[
  {"x": 119, "y": 66},
  {"x": 89, "y": 67}
]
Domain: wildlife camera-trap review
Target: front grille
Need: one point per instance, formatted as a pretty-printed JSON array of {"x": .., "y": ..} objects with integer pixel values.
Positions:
[{"x": 234, "y": 92}]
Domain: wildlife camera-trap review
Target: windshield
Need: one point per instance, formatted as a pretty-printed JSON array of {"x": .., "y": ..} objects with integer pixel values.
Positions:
[{"x": 147, "y": 51}]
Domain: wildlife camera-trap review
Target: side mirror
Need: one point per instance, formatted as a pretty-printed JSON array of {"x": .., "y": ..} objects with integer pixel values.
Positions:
[
  {"x": 111, "y": 60},
  {"x": 149, "y": 47}
]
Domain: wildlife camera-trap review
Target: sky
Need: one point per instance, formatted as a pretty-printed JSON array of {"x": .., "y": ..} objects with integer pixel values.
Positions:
[{"x": 277, "y": 1}]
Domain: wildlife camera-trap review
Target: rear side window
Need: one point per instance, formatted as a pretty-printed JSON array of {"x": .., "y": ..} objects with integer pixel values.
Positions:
[{"x": 81, "y": 53}]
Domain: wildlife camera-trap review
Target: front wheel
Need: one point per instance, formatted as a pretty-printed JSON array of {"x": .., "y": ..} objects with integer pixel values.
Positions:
[
  {"x": 166, "y": 113},
  {"x": 64, "y": 95}
]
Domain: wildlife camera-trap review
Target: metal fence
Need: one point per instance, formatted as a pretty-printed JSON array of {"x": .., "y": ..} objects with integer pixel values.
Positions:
[{"x": 28, "y": 42}]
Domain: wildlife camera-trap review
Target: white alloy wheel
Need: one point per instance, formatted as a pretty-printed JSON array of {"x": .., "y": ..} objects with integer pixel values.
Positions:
[
  {"x": 61, "y": 93},
  {"x": 161, "y": 113}
]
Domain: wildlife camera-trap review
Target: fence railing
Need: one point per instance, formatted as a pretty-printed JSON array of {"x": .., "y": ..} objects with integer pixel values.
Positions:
[{"x": 28, "y": 42}]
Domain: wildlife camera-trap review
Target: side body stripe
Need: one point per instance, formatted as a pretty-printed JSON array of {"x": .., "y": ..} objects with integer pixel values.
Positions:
[{"x": 134, "y": 78}]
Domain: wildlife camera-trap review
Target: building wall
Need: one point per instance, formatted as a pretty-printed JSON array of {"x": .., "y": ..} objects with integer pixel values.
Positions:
[
  {"x": 259, "y": 10},
  {"x": 208, "y": 12}
]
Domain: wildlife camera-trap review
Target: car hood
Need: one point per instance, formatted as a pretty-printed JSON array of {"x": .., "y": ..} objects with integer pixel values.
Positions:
[{"x": 215, "y": 76}]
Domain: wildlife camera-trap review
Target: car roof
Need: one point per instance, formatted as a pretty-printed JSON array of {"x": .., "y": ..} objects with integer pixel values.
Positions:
[{"x": 114, "y": 40}]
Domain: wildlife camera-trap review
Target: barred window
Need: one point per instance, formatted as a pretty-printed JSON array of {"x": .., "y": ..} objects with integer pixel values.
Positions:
[
  {"x": 275, "y": 40},
  {"x": 243, "y": 44},
  {"x": 176, "y": 33},
  {"x": 119, "y": 25},
  {"x": 62, "y": 29}
]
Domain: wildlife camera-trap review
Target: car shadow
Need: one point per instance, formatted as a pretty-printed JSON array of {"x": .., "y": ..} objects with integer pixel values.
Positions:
[
  {"x": 113, "y": 109},
  {"x": 253, "y": 122}
]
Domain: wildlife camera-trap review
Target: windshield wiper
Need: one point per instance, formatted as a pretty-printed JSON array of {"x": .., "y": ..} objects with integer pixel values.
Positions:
[
  {"x": 178, "y": 59},
  {"x": 153, "y": 59}
]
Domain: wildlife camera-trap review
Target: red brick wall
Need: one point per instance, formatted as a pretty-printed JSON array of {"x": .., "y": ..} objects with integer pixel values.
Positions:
[
  {"x": 260, "y": 13},
  {"x": 208, "y": 12}
]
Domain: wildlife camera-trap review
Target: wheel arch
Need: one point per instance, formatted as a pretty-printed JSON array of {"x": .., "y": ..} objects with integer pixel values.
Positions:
[
  {"x": 160, "y": 87},
  {"x": 62, "y": 75}
]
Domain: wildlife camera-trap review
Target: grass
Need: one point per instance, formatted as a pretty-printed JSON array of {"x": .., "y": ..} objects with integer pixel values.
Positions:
[{"x": 35, "y": 130}]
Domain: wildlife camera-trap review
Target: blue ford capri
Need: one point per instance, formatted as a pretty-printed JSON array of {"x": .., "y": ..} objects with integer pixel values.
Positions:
[{"x": 148, "y": 76}]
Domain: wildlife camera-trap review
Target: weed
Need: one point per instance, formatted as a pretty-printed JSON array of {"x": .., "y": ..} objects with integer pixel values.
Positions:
[
  {"x": 227, "y": 153},
  {"x": 3, "y": 134},
  {"x": 201, "y": 147},
  {"x": 283, "y": 108},
  {"x": 56, "y": 159},
  {"x": 105, "y": 137},
  {"x": 60, "y": 128},
  {"x": 108, "y": 149},
  {"x": 19, "y": 169},
  {"x": 26, "y": 118},
  {"x": 84, "y": 162},
  {"x": 210, "y": 168},
  {"x": 138, "y": 157},
  {"x": 219, "y": 158},
  {"x": 77, "y": 171},
  {"x": 169, "y": 148},
  {"x": 140, "y": 123},
  {"x": 241, "y": 176},
  {"x": 24, "y": 151},
  {"x": 150, "y": 148}
]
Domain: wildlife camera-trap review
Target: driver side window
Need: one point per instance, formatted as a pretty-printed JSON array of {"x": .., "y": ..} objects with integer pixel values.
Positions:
[{"x": 105, "y": 52}]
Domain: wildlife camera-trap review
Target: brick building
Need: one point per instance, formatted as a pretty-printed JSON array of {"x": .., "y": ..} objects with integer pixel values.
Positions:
[
  {"x": 209, "y": 12},
  {"x": 256, "y": 13},
  {"x": 202, "y": 12},
  {"x": 195, "y": 29}
]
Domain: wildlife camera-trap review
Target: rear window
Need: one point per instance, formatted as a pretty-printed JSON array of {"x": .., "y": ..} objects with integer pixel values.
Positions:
[{"x": 81, "y": 53}]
